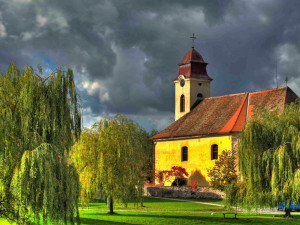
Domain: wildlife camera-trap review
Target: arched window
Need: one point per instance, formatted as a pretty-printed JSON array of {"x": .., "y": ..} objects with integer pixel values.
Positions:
[
  {"x": 184, "y": 153},
  {"x": 199, "y": 97},
  {"x": 182, "y": 103},
  {"x": 214, "y": 152}
]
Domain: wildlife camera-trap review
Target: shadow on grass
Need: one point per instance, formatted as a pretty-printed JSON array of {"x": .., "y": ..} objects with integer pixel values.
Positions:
[
  {"x": 102, "y": 222},
  {"x": 146, "y": 200},
  {"x": 216, "y": 219}
]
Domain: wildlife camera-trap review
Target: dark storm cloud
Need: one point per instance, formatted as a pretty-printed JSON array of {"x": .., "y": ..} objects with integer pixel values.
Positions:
[{"x": 125, "y": 52}]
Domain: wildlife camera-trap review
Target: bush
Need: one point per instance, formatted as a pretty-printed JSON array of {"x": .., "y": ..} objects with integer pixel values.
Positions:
[
  {"x": 224, "y": 172},
  {"x": 179, "y": 182}
]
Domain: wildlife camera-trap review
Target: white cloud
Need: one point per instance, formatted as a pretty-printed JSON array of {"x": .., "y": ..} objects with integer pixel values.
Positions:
[
  {"x": 53, "y": 17},
  {"x": 96, "y": 88},
  {"x": 89, "y": 118},
  {"x": 263, "y": 18},
  {"x": 41, "y": 20},
  {"x": 27, "y": 36},
  {"x": 2, "y": 30}
]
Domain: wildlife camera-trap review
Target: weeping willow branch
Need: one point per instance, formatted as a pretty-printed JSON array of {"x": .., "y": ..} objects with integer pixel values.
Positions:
[
  {"x": 112, "y": 157},
  {"x": 269, "y": 156},
  {"x": 39, "y": 122}
]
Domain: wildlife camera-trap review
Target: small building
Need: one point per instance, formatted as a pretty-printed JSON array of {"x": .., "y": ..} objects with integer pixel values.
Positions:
[{"x": 205, "y": 126}]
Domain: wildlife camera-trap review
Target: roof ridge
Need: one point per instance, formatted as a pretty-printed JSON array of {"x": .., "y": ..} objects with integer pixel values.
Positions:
[
  {"x": 222, "y": 96},
  {"x": 251, "y": 92},
  {"x": 271, "y": 89}
]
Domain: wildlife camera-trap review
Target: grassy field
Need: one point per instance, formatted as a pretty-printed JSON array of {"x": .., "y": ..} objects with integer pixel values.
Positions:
[
  {"x": 154, "y": 204},
  {"x": 166, "y": 211},
  {"x": 162, "y": 218}
]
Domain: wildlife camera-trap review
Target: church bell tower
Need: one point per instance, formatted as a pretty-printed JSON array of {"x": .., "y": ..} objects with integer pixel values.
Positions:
[{"x": 192, "y": 83}]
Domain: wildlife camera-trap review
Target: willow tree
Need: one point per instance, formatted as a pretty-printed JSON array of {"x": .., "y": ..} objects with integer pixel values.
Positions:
[
  {"x": 39, "y": 120},
  {"x": 86, "y": 156},
  {"x": 269, "y": 156},
  {"x": 112, "y": 159}
]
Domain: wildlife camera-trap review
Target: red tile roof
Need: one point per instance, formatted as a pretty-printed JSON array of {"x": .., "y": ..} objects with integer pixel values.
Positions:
[
  {"x": 193, "y": 66},
  {"x": 226, "y": 114},
  {"x": 191, "y": 56}
]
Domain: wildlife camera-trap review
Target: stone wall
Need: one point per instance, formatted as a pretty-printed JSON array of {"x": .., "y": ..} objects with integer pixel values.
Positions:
[{"x": 183, "y": 192}]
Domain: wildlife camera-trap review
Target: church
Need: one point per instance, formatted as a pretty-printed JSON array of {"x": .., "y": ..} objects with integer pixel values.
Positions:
[{"x": 204, "y": 126}]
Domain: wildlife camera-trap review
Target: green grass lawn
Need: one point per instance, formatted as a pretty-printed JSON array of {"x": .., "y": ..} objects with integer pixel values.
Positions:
[
  {"x": 188, "y": 213},
  {"x": 214, "y": 201},
  {"x": 162, "y": 218},
  {"x": 155, "y": 204}
]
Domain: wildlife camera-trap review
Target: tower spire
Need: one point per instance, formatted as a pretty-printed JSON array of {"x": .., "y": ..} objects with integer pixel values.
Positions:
[{"x": 193, "y": 39}]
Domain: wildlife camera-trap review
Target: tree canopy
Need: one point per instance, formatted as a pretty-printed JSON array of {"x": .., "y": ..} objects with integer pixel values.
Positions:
[
  {"x": 223, "y": 173},
  {"x": 112, "y": 157},
  {"x": 269, "y": 156},
  {"x": 40, "y": 118}
]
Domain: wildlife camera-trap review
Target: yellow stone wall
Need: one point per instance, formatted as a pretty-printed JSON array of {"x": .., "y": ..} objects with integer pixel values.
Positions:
[
  {"x": 168, "y": 154},
  {"x": 190, "y": 90}
]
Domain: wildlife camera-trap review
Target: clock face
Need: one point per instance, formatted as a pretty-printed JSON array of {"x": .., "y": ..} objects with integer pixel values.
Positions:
[{"x": 182, "y": 82}]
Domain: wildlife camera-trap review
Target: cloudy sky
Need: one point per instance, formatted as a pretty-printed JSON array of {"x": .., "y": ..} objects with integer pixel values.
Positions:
[{"x": 124, "y": 53}]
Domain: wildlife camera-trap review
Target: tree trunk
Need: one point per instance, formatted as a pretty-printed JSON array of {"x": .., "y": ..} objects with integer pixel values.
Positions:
[
  {"x": 77, "y": 217},
  {"x": 141, "y": 188},
  {"x": 111, "y": 206},
  {"x": 287, "y": 213}
]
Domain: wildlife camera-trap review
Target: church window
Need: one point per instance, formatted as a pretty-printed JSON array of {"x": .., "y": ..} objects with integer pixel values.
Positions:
[
  {"x": 199, "y": 97},
  {"x": 184, "y": 153},
  {"x": 182, "y": 103},
  {"x": 214, "y": 152}
]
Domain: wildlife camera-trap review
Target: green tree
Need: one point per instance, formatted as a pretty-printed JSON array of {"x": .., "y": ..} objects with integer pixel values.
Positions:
[
  {"x": 39, "y": 120},
  {"x": 223, "y": 173},
  {"x": 112, "y": 157},
  {"x": 86, "y": 156},
  {"x": 269, "y": 156},
  {"x": 149, "y": 151}
]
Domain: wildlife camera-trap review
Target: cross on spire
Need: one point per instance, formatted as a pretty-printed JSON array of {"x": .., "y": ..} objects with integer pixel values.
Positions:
[
  {"x": 193, "y": 39},
  {"x": 286, "y": 80}
]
